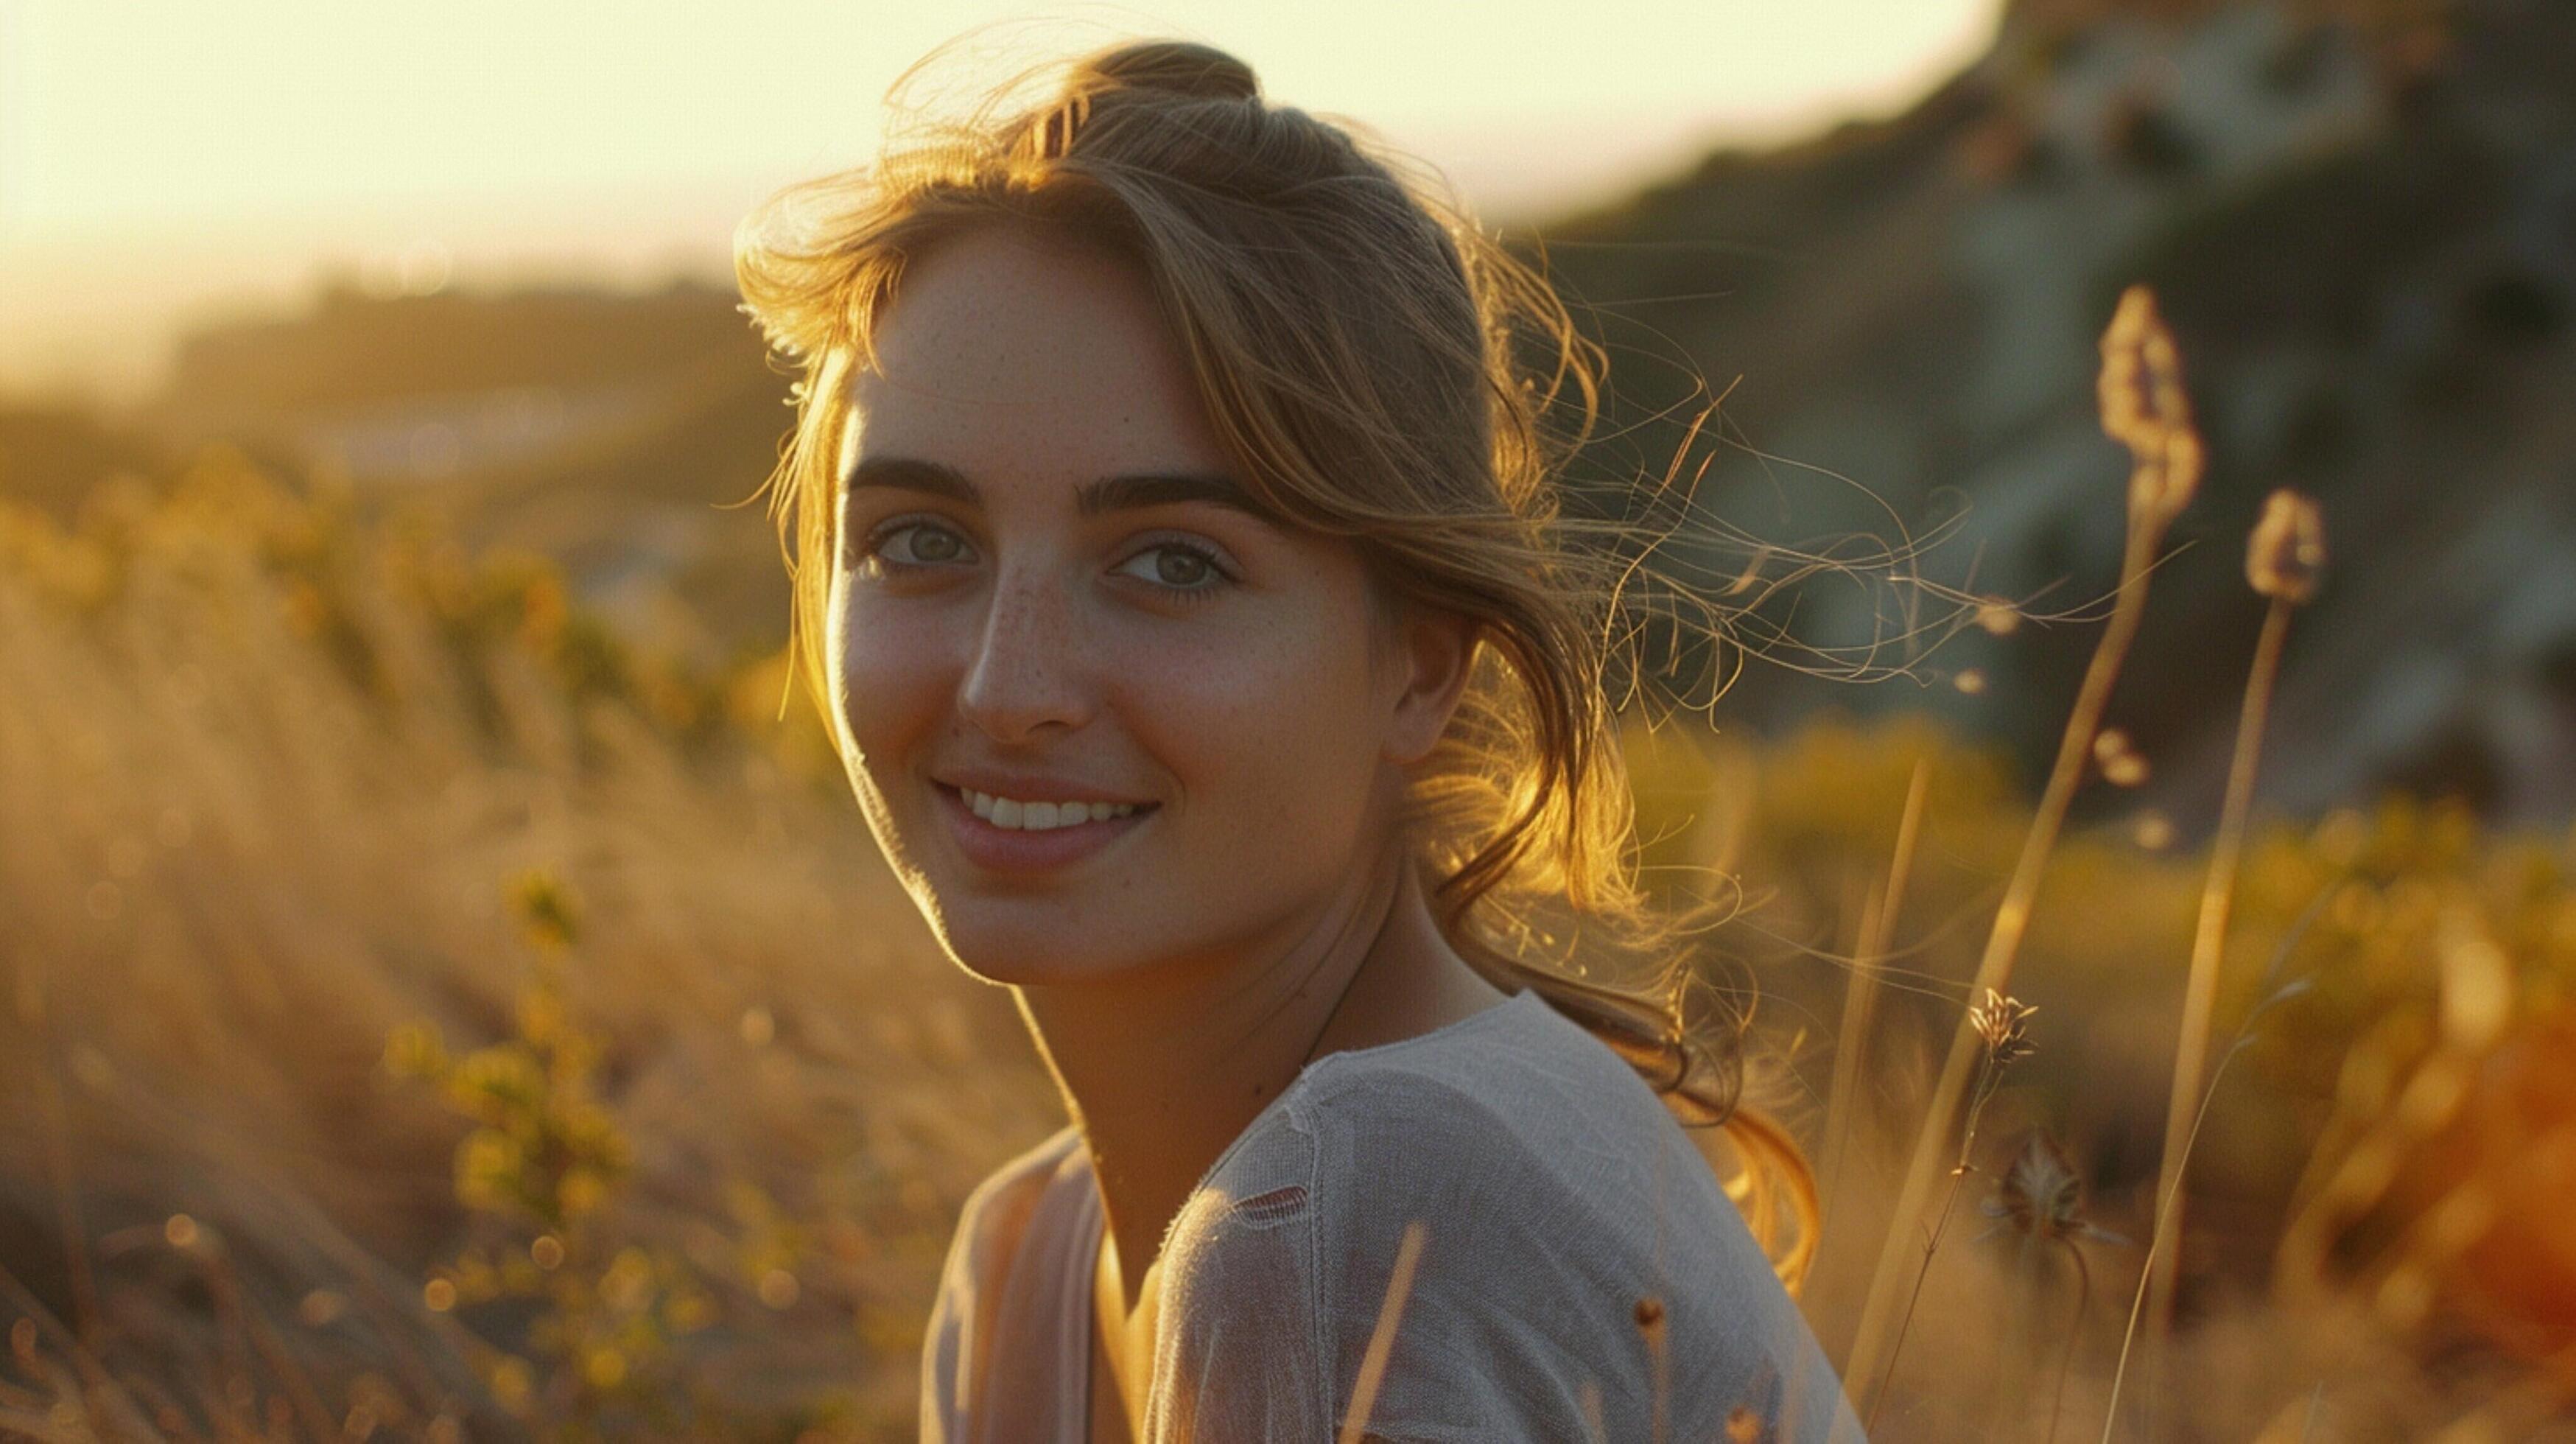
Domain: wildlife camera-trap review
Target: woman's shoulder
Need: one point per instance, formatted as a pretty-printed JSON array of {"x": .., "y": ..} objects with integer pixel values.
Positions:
[
  {"x": 1024, "y": 1173},
  {"x": 1505, "y": 1097},
  {"x": 1549, "y": 1192},
  {"x": 1024, "y": 1205},
  {"x": 1012, "y": 1189},
  {"x": 1516, "y": 1087},
  {"x": 999, "y": 1209},
  {"x": 998, "y": 1219}
]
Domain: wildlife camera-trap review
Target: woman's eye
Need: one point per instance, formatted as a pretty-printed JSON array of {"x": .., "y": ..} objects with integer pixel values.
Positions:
[
  {"x": 1178, "y": 567},
  {"x": 922, "y": 544}
]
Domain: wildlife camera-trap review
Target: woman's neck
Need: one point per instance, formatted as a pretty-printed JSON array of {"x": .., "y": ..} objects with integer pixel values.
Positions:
[{"x": 1164, "y": 1069}]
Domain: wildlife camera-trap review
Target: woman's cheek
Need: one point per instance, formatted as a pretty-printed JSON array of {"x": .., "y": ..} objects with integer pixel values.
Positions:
[
  {"x": 1259, "y": 726},
  {"x": 888, "y": 666},
  {"x": 885, "y": 694}
]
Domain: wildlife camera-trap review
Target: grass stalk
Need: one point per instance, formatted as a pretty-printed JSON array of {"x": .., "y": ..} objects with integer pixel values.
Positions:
[
  {"x": 2138, "y": 1301},
  {"x": 2273, "y": 997},
  {"x": 1994, "y": 968},
  {"x": 2144, "y": 406},
  {"x": 2283, "y": 556},
  {"x": 2200, "y": 991},
  {"x": 2074, "y": 1330},
  {"x": 1399, "y": 1285},
  {"x": 1650, "y": 1328},
  {"x": 1989, "y": 1077},
  {"x": 103, "y": 1393},
  {"x": 86, "y": 1325},
  {"x": 66, "y": 1192},
  {"x": 225, "y": 1288},
  {"x": 1860, "y": 994}
]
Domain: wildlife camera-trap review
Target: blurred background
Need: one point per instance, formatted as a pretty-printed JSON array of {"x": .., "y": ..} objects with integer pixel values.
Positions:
[{"x": 452, "y": 994}]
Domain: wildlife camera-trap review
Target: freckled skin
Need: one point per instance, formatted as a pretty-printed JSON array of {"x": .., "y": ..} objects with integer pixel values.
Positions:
[{"x": 1051, "y": 642}]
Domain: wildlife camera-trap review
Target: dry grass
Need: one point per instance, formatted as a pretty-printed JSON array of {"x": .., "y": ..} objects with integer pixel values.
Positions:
[
  {"x": 265, "y": 779},
  {"x": 428, "y": 1018}
]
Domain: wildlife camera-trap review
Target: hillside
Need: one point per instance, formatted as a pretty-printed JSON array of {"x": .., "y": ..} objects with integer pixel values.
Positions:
[
  {"x": 2365, "y": 235},
  {"x": 604, "y": 430},
  {"x": 2364, "y": 229}
]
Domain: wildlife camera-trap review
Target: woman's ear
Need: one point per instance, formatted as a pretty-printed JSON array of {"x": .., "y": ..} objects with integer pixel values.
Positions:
[{"x": 1435, "y": 655}]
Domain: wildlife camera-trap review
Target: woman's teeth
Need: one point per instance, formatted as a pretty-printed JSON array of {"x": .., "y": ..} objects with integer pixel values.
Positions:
[{"x": 1040, "y": 816}]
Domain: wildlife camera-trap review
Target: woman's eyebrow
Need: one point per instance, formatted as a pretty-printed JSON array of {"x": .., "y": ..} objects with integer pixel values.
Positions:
[{"x": 1092, "y": 498}]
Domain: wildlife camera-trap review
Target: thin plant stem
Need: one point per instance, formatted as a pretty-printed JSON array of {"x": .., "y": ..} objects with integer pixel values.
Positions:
[
  {"x": 2012, "y": 919},
  {"x": 1869, "y": 960},
  {"x": 2209, "y": 943},
  {"x": 2138, "y": 1303},
  {"x": 1660, "y": 1355},
  {"x": 1851, "y": 1028},
  {"x": 2074, "y": 1329},
  {"x": 1987, "y": 1081},
  {"x": 1408, "y": 1256},
  {"x": 105, "y": 1392},
  {"x": 225, "y": 1287},
  {"x": 67, "y": 1209},
  {"x": 2244, "y": 1034}
]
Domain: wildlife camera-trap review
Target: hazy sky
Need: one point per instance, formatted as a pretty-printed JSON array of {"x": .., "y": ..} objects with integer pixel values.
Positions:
[{"x": 163, "y": 161}]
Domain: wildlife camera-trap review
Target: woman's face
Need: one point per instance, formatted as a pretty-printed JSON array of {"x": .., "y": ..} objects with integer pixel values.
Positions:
[{"x": 1048, "y": 589}]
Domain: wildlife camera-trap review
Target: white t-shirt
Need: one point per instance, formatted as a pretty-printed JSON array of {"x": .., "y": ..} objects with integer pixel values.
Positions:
[{"x": 1556, "y": 1188}]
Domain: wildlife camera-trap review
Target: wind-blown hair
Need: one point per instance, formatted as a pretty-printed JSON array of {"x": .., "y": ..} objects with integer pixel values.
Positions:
[{"x": 1380, "y": 370}]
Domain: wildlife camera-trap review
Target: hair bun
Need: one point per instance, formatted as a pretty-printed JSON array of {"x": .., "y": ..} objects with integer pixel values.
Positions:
[{"x": 1181, "y": 68}]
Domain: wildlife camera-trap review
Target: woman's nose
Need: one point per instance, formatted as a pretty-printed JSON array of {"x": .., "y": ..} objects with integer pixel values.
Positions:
[{"x": 1025, "y": 670}]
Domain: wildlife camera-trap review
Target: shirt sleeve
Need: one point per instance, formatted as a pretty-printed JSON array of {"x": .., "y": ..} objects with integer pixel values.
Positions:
[
  {"x": 1237, "y": 1354},
  {"x": 955, "y": 1325},
  {"x": 963, "y": 1329}
]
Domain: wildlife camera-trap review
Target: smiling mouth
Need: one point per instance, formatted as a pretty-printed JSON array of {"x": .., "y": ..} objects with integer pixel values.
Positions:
[{"x": 1046, "y": 817}]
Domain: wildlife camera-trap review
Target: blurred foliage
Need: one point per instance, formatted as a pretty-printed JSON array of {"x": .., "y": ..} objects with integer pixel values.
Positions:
[
  {"x": 2427, "y": 948},
  {"x": 312, "y": 540},
  {"x": 2400, "y": 1134},
  {"x": 693, "y": 1176},
  {"x": 540, "y": 1172}
]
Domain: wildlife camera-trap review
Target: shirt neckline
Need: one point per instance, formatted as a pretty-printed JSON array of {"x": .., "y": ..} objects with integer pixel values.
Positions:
[
  {"x": 1525, "y": 1000},
  {"x": 1094, "y": 1218}
]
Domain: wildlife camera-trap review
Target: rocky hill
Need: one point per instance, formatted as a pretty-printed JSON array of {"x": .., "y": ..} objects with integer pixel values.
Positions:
[{"x": 2362, "y": 223}]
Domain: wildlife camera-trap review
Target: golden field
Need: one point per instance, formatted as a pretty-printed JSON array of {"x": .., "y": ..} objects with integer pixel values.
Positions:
[{"x": 432, "y": 1015}]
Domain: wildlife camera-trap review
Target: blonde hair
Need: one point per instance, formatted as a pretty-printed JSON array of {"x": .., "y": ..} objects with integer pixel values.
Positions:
[{"x": 1383, "y": 371}]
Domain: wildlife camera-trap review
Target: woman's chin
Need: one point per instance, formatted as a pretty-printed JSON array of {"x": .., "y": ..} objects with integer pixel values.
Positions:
[{"x": 1011, "y": 959}]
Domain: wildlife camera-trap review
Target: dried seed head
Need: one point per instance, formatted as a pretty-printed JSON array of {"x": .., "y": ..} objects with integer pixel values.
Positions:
[
  {"x": 2121, "y": 764},
  {"x": 2127, "y": 399},
  {"x": 2004, "y": 1023},
  {"x": 2041, "y": 1195},
  {"x": 2145, "y": 408},
  {"x": 2161, "y": 488},
  {"x": 2153, "y": 830},
  {"x": 2287, "y": 550}
]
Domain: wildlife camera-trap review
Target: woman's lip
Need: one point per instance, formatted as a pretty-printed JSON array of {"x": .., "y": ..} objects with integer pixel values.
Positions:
[{"x": 1011, "y": 849}]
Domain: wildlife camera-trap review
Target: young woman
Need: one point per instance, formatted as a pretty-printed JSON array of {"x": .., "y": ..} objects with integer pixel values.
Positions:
[{"x": 1183, "y": 570}]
